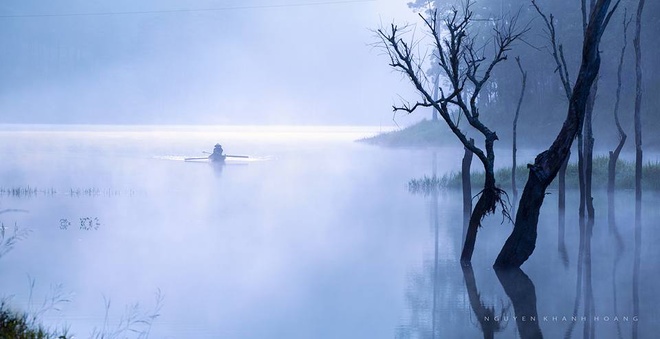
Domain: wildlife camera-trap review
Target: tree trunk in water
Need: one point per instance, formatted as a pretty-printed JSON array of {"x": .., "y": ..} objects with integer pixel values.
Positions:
[
  {"x": 614, "y": 155},
  {"x": 589, "y": 150},
  {"x": 522, "y": 241},
  {"x": 583, "y": 200},
  {"x": 638, "y": 103},
  {"x": 638, "y": 163},
  {"x": 435, "y": 95},
  {"x": 561, "y": 211},
  {"x": 467, "y": 188},
  {"x": 514, "y": 165},
  {"x": 485, "y": 204}
]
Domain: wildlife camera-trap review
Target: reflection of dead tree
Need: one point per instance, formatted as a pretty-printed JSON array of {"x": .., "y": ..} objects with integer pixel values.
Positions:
[
  {"x": 522, "y": 241},
  {"x": 467, "y": 70},
  {"x": 489, "y": 322},
  {"x": 520, "y": 289}
]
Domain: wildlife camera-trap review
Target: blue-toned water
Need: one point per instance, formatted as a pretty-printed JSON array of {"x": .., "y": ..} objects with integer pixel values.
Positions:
[{"x": 313, "y": 236}]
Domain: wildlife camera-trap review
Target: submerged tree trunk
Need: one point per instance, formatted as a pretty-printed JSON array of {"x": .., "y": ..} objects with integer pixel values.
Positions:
[
  {"x": 467, "y": 187},
  {"x": 638, "y": 103},
  {"x": 514, "y": 164},
  {"x": 586, "y": 144},
  {"x": 486, "y": 204},
  {"x": 462, "y": 66},
  {"x": 582, "y": 207},
  {"x": 436, "y": 89},
  {"x": 522, "y": 241},
  {"x": 614, "y": 155},
  {"x": 561, "y": 212},
  {"x": 638, "y": 164},
  {"x": 588, "y": 152}
]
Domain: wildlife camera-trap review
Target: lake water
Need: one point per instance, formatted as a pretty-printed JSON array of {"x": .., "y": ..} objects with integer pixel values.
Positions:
[{"x": 313, "y": 236}]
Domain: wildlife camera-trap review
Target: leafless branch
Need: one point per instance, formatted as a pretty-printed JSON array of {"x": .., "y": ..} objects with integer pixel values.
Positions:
[{"x": 557, "y": 50}]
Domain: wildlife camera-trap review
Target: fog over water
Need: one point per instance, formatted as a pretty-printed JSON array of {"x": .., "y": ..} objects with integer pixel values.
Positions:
[{"x": 313, "y": 236}]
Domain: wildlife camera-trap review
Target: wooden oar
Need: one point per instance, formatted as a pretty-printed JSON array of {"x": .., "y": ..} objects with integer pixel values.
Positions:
[{"x": 229, "y": 156}]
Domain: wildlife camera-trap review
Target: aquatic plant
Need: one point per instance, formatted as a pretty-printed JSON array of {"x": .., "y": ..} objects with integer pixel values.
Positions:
[
  {"x": 625, "y": 176},
  {"x": 27, "y": 325},
  {"x": 7, "y": 241},
  {"x": 427, "y": 185},
  {"x": 14, "y": 324},
  {"x": 31, "y": 192},
  {"x": 134, "y": 321}
]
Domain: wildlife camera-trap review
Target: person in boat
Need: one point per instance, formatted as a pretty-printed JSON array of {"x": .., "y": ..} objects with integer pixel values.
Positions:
[{"x": 217, "y": 155}]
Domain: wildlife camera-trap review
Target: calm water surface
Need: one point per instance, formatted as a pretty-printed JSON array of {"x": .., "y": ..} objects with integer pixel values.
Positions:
[{"x": 314, "y": 236}]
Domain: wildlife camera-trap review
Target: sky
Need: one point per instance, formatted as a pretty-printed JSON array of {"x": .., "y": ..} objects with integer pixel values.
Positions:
[{"x": 308, "y": 62}]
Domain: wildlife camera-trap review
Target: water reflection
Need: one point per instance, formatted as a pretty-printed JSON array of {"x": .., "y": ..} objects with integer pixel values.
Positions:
[
  {"x": 583, "y": 281},
  {"x": 522, "y": 293},
  {"x": 619, "y": 249},
  {"x": 427, "y": 187},
  {"x": 218, "y": 167},
  {"x": 636, "y": 264},
  {"x": 490, "y": 322}
]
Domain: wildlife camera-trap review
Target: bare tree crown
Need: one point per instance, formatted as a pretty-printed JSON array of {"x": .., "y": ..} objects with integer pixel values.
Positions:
[{"x": 463, "y": 64}]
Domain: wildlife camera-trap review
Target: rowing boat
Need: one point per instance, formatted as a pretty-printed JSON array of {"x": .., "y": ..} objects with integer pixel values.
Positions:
[{"x": 218, "y": 160}]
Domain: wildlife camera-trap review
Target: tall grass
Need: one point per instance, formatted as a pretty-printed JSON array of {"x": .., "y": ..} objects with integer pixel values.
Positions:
[
  {"x": 18, "y": 325},
  {"x": 15, "y": 324},
  {"x": 31, "y": 192},
  {"x": 625, "y": 176},
  {"x": 8, "y": 240},
  {"x": 135, "y": 322}
]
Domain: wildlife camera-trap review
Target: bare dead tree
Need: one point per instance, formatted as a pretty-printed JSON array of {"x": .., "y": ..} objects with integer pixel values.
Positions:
[
  {"x": 557, "y": 51},
  {"x": 638, "y": 102},
  {"x": 587, "y": 200},
  {"x": 614, "y": 155},
  {"x": 522, "y": 241},
  {"x": 514, "y": 189},
  {"x": 466, "y": 69},
  {"x": 638, "y": 161},
  {"x": 466, "y": 181}
]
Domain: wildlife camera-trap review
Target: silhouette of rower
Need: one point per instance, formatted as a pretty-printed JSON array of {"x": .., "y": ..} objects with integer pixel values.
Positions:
[{"x": 217, "y": 155}]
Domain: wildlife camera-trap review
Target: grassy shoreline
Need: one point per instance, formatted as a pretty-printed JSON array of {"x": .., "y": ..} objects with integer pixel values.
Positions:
[
  {"x": 17, "y": 325},
  {"x": 426, "y": 133}
]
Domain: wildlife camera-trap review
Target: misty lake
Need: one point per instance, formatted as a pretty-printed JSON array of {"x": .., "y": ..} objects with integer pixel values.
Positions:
[{"x": 313, "y": 236}]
